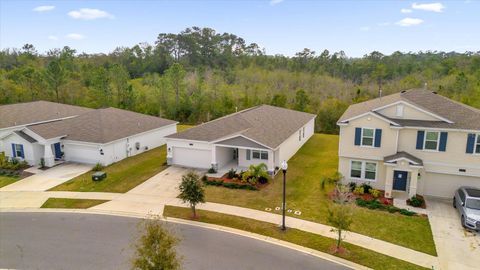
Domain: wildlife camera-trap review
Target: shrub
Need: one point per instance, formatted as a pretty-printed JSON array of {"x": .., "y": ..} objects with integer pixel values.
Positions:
[
  {"x": 393, "y": 209},
  {"x": 416, "y": 201},
  {"x": 97, "y": 167},
  {"x": 374, "y": 204},
  {"x": 358, "y": 191},
  {"x": 375, "y": 193},
  {"x": 352, "y": 186},
  {"x": 42, "y": 163},
  {"x": 212, "y": 170},
  {"x": 231, "y": 173},
  {"x": 406, "y": 212},
  {"x": 366, "y": 187},
  {"x": 361, "y": 202},
  {"x": 263, "y": 180}
]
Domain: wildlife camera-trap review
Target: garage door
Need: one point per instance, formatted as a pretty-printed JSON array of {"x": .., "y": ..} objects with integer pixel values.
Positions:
[
  {"x": 444, "y": 185},
  {"x": 193, "y": 158}
]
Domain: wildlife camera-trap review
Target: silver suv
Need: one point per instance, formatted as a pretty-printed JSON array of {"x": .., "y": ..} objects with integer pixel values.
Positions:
[{"x": 467, "y": 202}]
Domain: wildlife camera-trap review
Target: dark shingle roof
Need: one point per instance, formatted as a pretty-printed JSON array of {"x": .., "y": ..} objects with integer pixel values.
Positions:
[
  {"x": 100, "y": 126},
  {"x": 264, "y": 124},
  {"x": 36, "y": 111},
  {"x": 403, "y": 154},
  {"x": 462, "y": 116}
]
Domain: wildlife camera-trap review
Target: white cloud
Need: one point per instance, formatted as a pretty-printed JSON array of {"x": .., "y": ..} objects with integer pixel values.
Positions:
[
  {"x": 44, "y": 8},
  {"x": 409, "y": 22},
  {"x": 75, "y": 36},
  {"x": 89, "y": 14},
  {"x": 365, "y": 28},
  {"x": 274, "y": 2},
  {"x": 406, "y": 10},
  {"x": 435, "y": 7},
  {"x": 51, "y": 37}
]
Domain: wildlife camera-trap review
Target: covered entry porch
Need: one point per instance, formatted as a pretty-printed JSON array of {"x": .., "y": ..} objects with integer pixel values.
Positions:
[{"x": 401, "y": 179}]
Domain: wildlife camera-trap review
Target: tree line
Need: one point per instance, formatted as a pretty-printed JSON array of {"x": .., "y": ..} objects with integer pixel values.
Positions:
[{"x": 198, "y": 75}]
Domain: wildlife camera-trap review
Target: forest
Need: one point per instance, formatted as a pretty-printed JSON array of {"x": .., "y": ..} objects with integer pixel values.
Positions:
[{"x": 199, "y": 74}]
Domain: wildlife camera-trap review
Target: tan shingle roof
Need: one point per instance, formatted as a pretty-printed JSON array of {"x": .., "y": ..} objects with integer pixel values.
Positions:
[
  {"x": 264, "y": 124},
  {"x": 100, "y": 126},
  {"x": 36, "y": 111},
  {"x": 462, "y": 116}
]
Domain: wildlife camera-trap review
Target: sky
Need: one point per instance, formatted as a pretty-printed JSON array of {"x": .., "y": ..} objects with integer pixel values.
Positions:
[{"x": 280, "y": 26}]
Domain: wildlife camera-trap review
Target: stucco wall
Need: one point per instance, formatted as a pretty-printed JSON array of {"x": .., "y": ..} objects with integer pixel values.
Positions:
[
  {"x": 291, "y": 145},
  {"x": 344, "y": 169}
]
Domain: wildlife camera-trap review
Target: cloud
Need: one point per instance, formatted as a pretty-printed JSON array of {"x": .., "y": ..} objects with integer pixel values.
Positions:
[
  {"x": 51, "y": 37},
  {"x": 44, "y": 8},
  {"x": 406, "y": 10},
  {"x": 409, "y": 22},
  {"x": 75, "y": 36},
  {"x": 365, "y": 28},
  {"x": 435, "y": 7},
  {"x": 89, "y": 14},
  {"x": 275, "y": 2}
]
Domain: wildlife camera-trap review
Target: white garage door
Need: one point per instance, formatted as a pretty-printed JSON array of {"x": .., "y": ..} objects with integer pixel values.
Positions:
[
  {"x": 194, "y": 158},
  {"x": 444, "y": 185}
]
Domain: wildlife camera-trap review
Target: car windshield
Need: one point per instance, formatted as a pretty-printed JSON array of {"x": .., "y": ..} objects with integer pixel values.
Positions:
[{"x": 473, "y": 204}]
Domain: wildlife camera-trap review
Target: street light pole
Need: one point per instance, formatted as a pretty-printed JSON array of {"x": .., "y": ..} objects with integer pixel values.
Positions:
[{"x": 284, "y": 205}]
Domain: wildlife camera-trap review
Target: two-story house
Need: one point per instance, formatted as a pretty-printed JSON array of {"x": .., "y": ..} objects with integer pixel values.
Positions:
[{"x": 412, "y": 142}]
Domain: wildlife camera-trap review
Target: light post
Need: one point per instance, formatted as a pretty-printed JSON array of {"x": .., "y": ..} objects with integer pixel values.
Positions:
[{"x": 284, "y": 205}]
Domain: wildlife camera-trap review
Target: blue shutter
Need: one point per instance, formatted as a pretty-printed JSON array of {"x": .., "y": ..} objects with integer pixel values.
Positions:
[
  {"x": 378, "y": 137},
  {"x": 470, "y": 143},
  {"x": 420, "y": 137},
  {"x": 358, "y": 135},
  {"x": 443, "y": 141},
  {"x": 21, "y": 150},
  {"x": 248, "y": 154},
  {"x": 13, "y": 150}
]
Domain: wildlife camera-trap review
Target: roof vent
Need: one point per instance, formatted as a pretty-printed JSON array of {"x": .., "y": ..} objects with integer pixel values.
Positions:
[
  {"x": 434, "y": 92},
  {"x": 404, "y": 91}
]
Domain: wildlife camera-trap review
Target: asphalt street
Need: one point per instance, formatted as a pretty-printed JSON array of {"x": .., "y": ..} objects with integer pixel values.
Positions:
[{"x": 89, "y": 241}]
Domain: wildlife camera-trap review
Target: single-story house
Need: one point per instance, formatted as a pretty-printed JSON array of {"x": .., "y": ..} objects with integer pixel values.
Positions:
[
  {"x": 57, "y": 132},
  {"x": 262, "y": 134}
]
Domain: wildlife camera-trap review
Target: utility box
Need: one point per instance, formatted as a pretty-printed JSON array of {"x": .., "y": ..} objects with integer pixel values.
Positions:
[{"x": 99, "y": 176}]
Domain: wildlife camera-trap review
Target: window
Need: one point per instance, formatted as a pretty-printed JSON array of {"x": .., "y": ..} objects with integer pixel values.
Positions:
[
  {"x": 431, "y": 140},
  {"x": 367, "y": 136},
  {"x": 363, "y": 170},
  {"x": 303, "y": 132},
  {"x": 399, "y": 112},
  {"x": 356, "y": 170},
  {"x": 370, "y": 170},
  {"x": 256, "y": 154},
  {"x": 477, "y": 145},
  {"x": 299, "y": 135}
]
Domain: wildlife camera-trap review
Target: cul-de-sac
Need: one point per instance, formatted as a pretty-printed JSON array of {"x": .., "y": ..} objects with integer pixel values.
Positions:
[{"x": 348, "y": 137}]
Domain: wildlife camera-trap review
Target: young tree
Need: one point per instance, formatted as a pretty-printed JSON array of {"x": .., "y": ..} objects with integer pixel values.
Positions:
[
  {"x": 155, "y": 249},
  {"x": 301, "y": 100},
  {"x": 340, "y": 212},
  {"x": 176, "y": 77},
  {"x": 55, "y": 76},
  {"x": 191, "y": 191}
]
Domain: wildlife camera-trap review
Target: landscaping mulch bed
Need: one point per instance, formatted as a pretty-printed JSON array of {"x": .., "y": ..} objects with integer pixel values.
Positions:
[
  {"x": 421, "y": 198},
  {"x": 234, "y": 183}
]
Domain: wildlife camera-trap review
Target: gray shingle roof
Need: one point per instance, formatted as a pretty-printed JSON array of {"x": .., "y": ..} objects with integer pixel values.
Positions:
[
  {"x": 36, "y": 111},
  {"x": 241, "y": 141},
  {"x": 462, "y": 116},
  {"x": 264, "y": 124},
  {"x": 403, "y": 154},
  {"x": 100, "y": 126},
  {"x": 25, "y": 136}
]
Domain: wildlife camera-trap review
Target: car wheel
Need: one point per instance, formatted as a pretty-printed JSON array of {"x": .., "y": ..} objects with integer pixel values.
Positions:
[
  {"x": 454, "y": 203},
  {"x": 463, "y": 222}
]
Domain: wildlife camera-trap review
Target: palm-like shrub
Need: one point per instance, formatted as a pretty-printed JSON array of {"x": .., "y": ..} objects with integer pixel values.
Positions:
[{"x": 258, "y": 173}]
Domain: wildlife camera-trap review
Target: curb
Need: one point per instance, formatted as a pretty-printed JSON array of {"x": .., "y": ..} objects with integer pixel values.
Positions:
[{"x": 274, "y": 241}]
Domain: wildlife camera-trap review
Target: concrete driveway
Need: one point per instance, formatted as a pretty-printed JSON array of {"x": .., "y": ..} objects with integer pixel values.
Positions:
[
  {"x": 50, "y": 178},
  {"x": 457, "y": 248}
]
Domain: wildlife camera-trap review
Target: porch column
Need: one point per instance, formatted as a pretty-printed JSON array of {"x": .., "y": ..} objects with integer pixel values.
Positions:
[
  {"x": 48, "y": 156},
  {"x": 270, "y": 163},
  {"x": 214, "y": 158},
  {"x": 413, "y": 183},
  {"x": 388, "y": 181}
]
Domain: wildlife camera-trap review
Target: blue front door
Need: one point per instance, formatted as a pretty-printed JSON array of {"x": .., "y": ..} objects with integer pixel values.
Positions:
[
  {"x": 58, "y": 151},
  {"x": 400, "y": 180}
]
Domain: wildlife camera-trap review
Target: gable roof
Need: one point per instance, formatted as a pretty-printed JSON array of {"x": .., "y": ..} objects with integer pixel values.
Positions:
[
  {"x": 242, "y": 142},
  {"x": 25, "y": 136},
  {"x": 265, "y": 124},
  {"x": 100, "y": 126},
  {"x": 36, "y": 111},
  {"x": 403, "y": 155},
  {"x": 461, "y": 116}
]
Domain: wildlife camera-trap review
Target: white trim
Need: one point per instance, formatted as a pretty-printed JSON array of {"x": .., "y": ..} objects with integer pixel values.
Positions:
[
  {"x": 450, "y": 165},
  {"x": 241, "y": 147},
  {"x": 476, "y": 142},
  {"x": 451, "y": 173},
  {"x": 415, "y": 107},
  {"x": 362, "y": 157},
  {"x": 368, "y": 113},
  {"x": 363, "y": 170},
  {"x": 240, "y": 135},
  {"x": 443, "y": 129},
  {"x": 402, "y": 158},
  {"x": 396, "y": 141},
  {"x": 37, "y": 123},
  {"x": 394, "y": 165},
  {"x": 260, "y": 153},
  {"x": 373, "y": 137},
  {"x": 425, "y": 141}
]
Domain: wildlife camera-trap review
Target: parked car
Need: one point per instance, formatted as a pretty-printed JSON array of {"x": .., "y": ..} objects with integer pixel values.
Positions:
[{"x": 467, "y": 202}]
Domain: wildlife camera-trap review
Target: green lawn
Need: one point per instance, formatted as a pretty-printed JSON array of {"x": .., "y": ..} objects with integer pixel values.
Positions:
[
  {"x": 317, "y": 158},
  {"x": 71, "y": 203},
  {"x": 121, "y": 176},
  {"x": 355, "y": 253},
  {"x": 7, "y": 180},
  {"x": 182, "y": 127}
]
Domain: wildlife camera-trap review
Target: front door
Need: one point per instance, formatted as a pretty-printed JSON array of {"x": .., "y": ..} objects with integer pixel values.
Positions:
[
  {"x": 400, "y": 180},
  {"x": 58, "y": 151}
]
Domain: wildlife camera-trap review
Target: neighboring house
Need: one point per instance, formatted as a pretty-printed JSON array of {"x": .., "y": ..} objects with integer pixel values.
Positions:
[
  {"x": 412, "y": 142},
  {"x": 59, "y": 132},
  {"x": 262, "y": 134}
]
